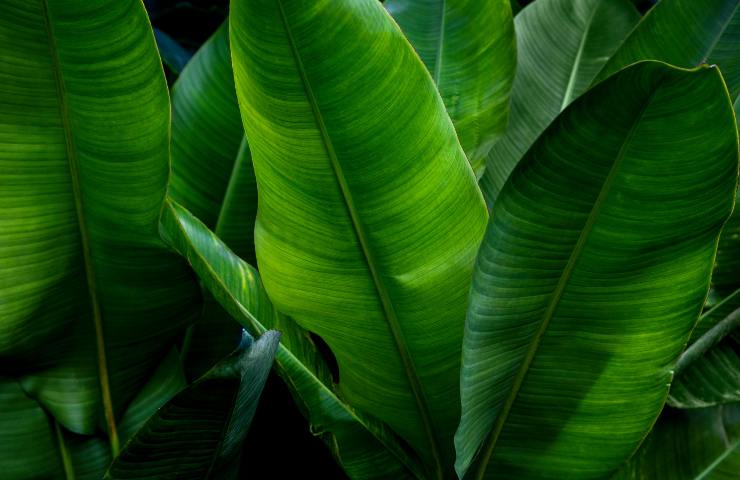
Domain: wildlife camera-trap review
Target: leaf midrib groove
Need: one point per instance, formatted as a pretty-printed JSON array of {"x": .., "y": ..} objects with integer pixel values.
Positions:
[
  {"x": 721, "y": 32},
  {"x": 440, "y": 43},
  {"x": 74, "y": 169},
  {"x": 380, "y": 287},
  {"x": 578, "y": 248}
]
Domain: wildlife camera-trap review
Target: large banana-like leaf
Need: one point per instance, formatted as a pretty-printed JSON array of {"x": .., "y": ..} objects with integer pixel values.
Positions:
[
  {"x": 199, "y": 432},
  {"x": 468, "y": 47},
  {"x": 369, "y": 214},
  {"x": 26, "y": 429},
  {"x": 364, "y": 448},
  {"x": 689, "y": 445},
  {"x": 592, "y": 274},
  {"x": 562, "y": 44},
  {"x": 708, "y": 372},
  {"x": 91, "y": 298}
]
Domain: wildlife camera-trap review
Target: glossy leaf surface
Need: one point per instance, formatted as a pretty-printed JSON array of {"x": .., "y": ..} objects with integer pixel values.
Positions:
[
  {"x": 592, "y": 274},
  {"x": 369, "y": 214}
]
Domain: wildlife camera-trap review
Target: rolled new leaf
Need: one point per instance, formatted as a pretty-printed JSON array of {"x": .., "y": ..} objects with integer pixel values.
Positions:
[
  {"x": 468, "y": 48},
  {"x": 561, "y": 46},
  {"x": 592, "y": 275},
  {"x": 91, "y": 298},
  {"x": 369, "y": 213},
  {"x": 689, "y": 445},
  {"x": 199, "y": 432},
  {"x": 363, "y": 446}
]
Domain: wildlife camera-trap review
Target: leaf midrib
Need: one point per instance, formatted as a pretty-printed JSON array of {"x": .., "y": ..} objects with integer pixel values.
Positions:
[
  {"x": 577, "y": 61},
  {"x": 440, "y": 42},
  {"x": 380, "y": 287},
  {"x": 491, "y": 441},
  {"x": 721, "y": 32},
  {"x": 74, "y": 169}
]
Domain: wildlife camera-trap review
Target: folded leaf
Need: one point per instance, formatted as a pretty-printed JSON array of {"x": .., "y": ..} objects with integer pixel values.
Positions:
[
  {"x": 198, "y": 434},
  {"x": 689, "y": 445},
  {"x": 468, "y": 48},
  {"x": 561, "y": 45},
  {"x": 91, "y": 298},
  {"x": 364, "y": 447},
  {"x": 592, "y": 274},
  {"x": 369, "y": 214}
]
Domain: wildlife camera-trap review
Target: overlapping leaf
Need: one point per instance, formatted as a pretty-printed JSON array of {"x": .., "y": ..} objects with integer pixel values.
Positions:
[
  {"x": 689, "y": 445},
  {"x": 562, "y": 44},
  {"x": 468, "y": 48},
  {"x": 592, "y": 274},
  {"x": 369, "y": 214},
  {"x": 364, "y": 447},
  {"x": 199, "y": 432},
  {"x": 91, "y": 298}
]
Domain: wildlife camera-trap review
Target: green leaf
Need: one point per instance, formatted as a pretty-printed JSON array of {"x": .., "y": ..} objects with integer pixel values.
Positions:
[
  {"x": 592, "y": 274},
  {"x": 369, "y": 215},
  {"x": 363, "y": 446},
  {"x": 561, "y": 46},
  {"x": 25, "y": 428},
  {"x": 468, "y": 47},
  {"x": 708, "y": 372},
  {"x": 199, "y": 432},
  {"x": 686, "y": 33},
  {"x": 212, "y": 176},
  {"x": 206, "y": 130},
  {"x": 689, "y": 445},
  {"x": 92, "y": 299}
]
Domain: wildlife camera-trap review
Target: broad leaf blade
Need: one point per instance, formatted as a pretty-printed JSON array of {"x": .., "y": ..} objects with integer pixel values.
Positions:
[
  {"x": 561, "y": 45},
  {"x": 199, "y": 432},
  {"x": 689, "y": 445},
  {"x": 91, "y": 297},
  {"x": 581, "y": 305},
  {"x": 364, "y": 447},
  {"x": 468, "y": 48},
  {"x": 369, "y": 215}
]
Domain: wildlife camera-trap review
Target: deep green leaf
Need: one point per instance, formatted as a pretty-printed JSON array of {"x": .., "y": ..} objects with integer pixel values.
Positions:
[
  {"x": 369, "y": 215},
  {"x": 468, "y": 48},
  {"x": 561, "y": 46},
  {"x": 364, "y": 447},
  {"x": 708, "y": 372},
  {"x": 199, "y": 432},
  {"x": 689, "y": 445},
  {"x": 91, "y": 298},
  {"x": 592, "y": 274}
]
